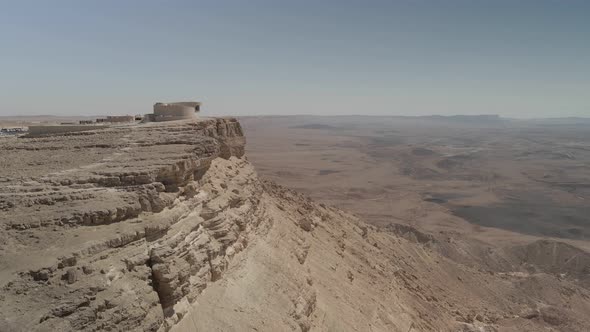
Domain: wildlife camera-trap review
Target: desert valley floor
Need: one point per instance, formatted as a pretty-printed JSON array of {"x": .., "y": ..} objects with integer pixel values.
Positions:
[{"x": 510, "y": 180}]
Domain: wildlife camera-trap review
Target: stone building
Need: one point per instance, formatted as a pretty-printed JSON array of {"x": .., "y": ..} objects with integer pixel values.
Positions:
[{"x": 174, "y": 111}]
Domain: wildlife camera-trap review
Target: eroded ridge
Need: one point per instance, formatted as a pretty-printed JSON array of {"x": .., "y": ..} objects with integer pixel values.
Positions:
[{"x": 77, "y": 241}]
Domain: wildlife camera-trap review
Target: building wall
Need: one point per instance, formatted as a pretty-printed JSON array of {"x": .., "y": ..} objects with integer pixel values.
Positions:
[{"x": 171, "y": 112}]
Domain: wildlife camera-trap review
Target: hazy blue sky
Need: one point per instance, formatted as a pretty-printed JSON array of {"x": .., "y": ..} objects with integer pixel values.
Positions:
[{"x": 515, "y": 58}]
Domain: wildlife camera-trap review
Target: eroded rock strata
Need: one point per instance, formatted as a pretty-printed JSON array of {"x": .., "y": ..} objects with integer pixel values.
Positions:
[{"x": 130, "y": 239}]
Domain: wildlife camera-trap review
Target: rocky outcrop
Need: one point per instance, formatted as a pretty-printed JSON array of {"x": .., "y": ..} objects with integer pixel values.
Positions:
[{"x": 146, "y": 220}]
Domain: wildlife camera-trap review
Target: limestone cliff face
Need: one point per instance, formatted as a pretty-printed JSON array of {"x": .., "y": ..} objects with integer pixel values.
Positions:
[{"x": 126, "y": 241}]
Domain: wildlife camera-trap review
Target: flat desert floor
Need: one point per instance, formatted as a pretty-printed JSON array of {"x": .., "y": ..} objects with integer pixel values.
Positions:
[{"x": 496, "y": 180}]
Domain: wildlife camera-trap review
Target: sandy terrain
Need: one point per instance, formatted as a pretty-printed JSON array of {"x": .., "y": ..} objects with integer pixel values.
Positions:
[
  {"x": 511, "y": 180},
  {"x": 168, "y": 227}
]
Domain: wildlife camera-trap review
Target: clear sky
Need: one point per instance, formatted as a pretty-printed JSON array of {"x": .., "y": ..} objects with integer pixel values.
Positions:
[{"x": 518, "y": 58}]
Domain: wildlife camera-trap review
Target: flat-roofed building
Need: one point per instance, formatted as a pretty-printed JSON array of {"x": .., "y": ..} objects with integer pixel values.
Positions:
[{"x": 185, "y": 110}]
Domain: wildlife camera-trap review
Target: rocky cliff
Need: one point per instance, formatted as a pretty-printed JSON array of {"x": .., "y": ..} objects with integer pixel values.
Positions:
[
  {"x": 124, "y": 228},
  {"x": 166, "y": 226}
]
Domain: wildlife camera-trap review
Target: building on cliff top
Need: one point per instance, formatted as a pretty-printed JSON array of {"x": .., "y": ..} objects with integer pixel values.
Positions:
[{"x": 185, "y": 110}]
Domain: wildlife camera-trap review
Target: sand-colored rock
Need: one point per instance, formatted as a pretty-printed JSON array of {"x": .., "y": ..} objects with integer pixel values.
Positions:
[{"x": 166, "y": 226}]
